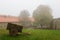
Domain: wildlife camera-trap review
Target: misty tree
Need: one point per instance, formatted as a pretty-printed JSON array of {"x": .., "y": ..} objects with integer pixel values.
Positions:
[
  {"x": 43, "y": 15},
  {"x": 25, "y": 16}
]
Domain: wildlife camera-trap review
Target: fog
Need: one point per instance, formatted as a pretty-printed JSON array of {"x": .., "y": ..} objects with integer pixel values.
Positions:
[{"x": 14, "y": 7}]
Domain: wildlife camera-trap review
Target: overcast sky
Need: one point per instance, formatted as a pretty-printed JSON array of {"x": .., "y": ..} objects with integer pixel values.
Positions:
[{"x": 14, "y": 7}]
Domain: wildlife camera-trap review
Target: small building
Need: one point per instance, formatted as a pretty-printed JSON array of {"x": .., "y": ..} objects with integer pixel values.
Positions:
[
  {"x": 5, "y": 19},
  {"x": 56, "y": 23},
  {"x": 12, "y": 19}
]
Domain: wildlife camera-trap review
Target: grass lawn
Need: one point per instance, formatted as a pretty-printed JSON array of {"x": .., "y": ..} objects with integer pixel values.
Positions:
[{"x": 35, "y": 34}]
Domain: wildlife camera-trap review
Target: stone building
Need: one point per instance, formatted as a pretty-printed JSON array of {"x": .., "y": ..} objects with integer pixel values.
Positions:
[
  {"x": 12, "y": 19},
  {"x": 56, "y": 23},
  {"x": 5, "y": 19}
]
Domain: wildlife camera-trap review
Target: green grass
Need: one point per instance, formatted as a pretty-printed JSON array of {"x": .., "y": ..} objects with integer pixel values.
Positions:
[{"x": 35, "y": 34}]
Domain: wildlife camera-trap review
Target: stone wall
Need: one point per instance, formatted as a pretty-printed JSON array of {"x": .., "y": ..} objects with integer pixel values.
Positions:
[
  {"x": 3, "y": 25},
  {"x": 56, "y": 24}
]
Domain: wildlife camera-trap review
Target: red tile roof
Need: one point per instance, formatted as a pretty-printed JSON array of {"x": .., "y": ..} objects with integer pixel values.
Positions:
[
  {"x": 13, "y": 19},
  {"x": 9, "y": 19},
  {"x": 31, "y": 19}
]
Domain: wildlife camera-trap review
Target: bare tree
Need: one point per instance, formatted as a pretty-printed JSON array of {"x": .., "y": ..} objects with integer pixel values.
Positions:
[{"x": 25, "y": 16}]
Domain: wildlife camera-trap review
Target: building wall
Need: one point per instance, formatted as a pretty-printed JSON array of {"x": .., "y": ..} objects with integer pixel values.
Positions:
[
  {"x": 3, "y": 25},
  {"x": 56, "y": 24}
]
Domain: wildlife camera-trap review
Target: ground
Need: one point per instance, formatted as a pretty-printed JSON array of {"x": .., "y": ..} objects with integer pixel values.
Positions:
[{"x": 35, "y": 34}]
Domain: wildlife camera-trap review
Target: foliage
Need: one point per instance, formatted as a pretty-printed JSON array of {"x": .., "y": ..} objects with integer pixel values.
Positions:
[
  {"x": 25, "y": 17},
  {"x": 24, "y": 14},
  {"x": 43, "y": 15}
]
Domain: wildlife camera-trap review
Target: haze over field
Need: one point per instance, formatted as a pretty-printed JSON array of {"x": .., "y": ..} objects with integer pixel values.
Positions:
[{"x": 14, "y": 7}]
